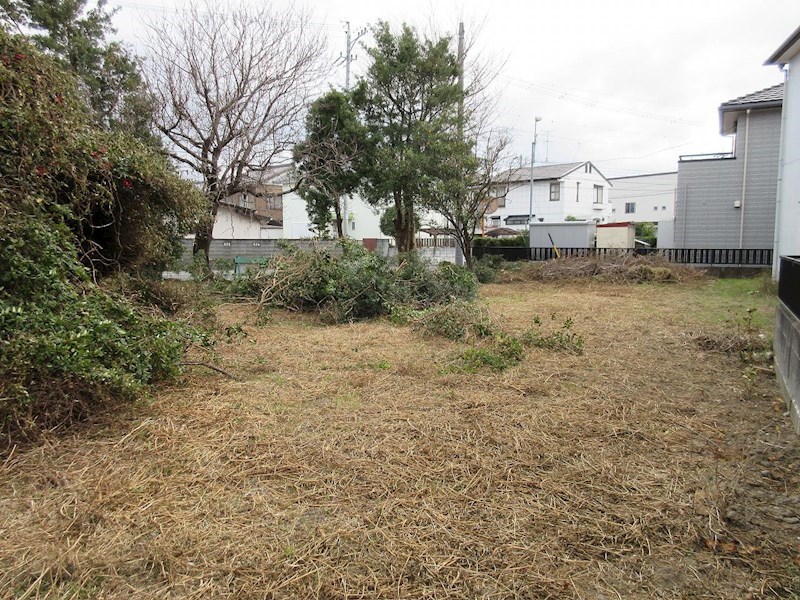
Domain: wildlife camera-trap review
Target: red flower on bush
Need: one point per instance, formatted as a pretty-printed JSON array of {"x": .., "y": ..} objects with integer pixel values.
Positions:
[
  {"x": 127, "y": 183},
  {"x": 41, "y": 170},
  {"x": 19, "y": 56}
]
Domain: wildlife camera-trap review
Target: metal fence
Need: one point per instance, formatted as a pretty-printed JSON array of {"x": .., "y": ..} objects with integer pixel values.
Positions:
[
  {"x": 739, "y": 257},
  {"x": 789, "y": 283}
]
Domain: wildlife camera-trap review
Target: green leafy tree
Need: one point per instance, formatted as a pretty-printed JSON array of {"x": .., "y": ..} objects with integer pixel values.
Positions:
[
  {"x": 122, "y": 200},
  {"x": 389, "y": 219},
  {"x": 76, "y": 36},
  {"x": 647, "y": 232},
  {"x": 327, "y": 159},
  {"x": 408, "y": 102},
  {"x": 76, "y": 203}
]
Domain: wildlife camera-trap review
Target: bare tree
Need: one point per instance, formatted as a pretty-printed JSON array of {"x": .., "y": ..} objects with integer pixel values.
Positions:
[
  {"x": 464, "y": 205},
  {"x": 232, "y": 88},
  {"x": 464, "y": 200}
]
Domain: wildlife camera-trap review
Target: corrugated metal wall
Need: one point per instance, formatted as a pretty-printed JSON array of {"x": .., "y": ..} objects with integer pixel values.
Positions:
[{"x": 705, "y": 215}]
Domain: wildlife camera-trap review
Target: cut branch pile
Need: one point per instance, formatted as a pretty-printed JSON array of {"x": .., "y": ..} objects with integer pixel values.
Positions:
[{"x": 613, "y": 269}]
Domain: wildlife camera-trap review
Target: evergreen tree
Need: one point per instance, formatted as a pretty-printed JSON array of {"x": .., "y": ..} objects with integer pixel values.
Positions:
[{"x": 408, "y": 102}]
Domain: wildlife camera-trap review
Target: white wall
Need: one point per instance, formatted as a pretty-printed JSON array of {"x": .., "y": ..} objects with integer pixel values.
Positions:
[
  {"x": 362, "y": 220},
  {"x": 787, "y": 218},
  {"x": 654, "y": 196},
  {"x": 232, "y": 225}
]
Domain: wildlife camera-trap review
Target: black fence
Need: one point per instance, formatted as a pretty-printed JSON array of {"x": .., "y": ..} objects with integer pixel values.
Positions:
[
  {"x": 747, "y": 257},
  {"x": 789, "y": 283}
]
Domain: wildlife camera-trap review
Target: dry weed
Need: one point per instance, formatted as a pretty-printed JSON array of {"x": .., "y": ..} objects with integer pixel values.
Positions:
[{"x": 343, "y": 464}]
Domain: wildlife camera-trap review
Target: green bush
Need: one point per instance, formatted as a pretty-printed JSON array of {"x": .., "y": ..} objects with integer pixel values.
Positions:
[
  {"x": 503, "y": 352},
  {"x": 514, "y": 240},
  {"x": 124, "y": 204},
  {"x": 458, "y": 321},
  {"x": 65, "y": 344},
  {"x": 486, "y": 267},
  {"x": 562, "y": 339}
]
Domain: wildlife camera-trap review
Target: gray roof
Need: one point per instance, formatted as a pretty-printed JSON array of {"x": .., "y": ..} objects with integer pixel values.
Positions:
[
  {"x": 787, "y": 51},
  {"x": 730, "y": 111},
  {"x": 771, "y": 95},
  {"x": 543, "y": 172}
]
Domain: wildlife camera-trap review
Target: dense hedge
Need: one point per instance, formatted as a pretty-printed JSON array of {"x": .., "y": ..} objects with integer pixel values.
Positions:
[
  {"x": 515, "y": 240},
  {"x": 123, "y": 202},
  {"x": 76, "y": 203}
]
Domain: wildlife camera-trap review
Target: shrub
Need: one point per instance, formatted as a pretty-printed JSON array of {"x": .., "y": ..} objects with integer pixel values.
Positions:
[
  {"x": 562, "y": 339},
  {"x": 65, "y": 344},
  {"x": 457, "y": 321},
  {"x": 422, "y": 286},
  {"x": 124, "y": 204},
  {"x": 503, "y": 352},
  {"x": 486, "y": 267}
]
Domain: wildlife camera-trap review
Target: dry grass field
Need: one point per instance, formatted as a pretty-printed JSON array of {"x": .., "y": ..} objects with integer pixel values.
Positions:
[{"x": 346, "y": 462}]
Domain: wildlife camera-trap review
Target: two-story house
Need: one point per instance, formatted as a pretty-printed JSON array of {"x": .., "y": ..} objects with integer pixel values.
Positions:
[
  {"x": 728, "y": 200},
  {"x": 563, "y": 192}
]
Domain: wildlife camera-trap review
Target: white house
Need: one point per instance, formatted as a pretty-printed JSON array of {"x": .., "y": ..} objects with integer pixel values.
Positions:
[
  {"x": 643, "y": 198},
  {"x": 271, "y": 210},
  {"x": 572, "y": 191},
  {"x": 787, "y": 211}
]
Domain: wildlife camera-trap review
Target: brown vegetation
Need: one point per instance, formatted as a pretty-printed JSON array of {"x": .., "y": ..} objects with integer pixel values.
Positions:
[
  {"x": 614, "y": 269},
  {"x": 345, "y": 464}
]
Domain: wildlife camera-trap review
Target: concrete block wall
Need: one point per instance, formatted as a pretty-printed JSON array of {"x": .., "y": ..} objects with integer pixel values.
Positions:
[{"x": 787, "y": 359}]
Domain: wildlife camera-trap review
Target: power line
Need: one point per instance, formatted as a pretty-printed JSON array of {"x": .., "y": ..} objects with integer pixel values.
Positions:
[{"x": 564, "y": 94}]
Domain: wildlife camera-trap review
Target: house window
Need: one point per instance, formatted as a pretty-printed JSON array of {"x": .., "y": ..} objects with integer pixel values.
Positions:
[
  {"x": 655, "y": 208},
  {"x": 578, "y": 191},
  {"x": 495, "y": 221},
  {"x": 555, "y": 191},
  {"x": 598, "y": 194},
  {"x": 352, "y": 225},
  {"x": 501, "y": 202},
  {"x": 517, "y": 220},
  {"x": 663, "y": 208},
  {"x": 630, "y": 208}
]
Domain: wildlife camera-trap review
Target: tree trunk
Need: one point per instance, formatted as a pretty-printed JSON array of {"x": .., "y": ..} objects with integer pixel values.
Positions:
[
  {"x": 466, "y": 250},
  {"x": 204, "y": 235},
  {"x": 337, "y": 207}
]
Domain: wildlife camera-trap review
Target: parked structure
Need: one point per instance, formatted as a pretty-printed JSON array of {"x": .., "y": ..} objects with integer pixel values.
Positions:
[
  {"x": 728, "y": 200},
  {"x": 616, "y": 235},
  {"x": 787, "y": 217},
  {"x": 643, "y": 198},
  {"x": 573, "y": 190},
  {"x": 563, "y": 235}
]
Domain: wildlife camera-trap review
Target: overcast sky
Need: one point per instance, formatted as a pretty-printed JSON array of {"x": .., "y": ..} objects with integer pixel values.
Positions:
[{"x": 627, "y": 84}]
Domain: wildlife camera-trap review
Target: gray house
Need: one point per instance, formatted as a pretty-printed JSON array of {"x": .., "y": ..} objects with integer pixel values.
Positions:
[{"x": 728, "y": 200}]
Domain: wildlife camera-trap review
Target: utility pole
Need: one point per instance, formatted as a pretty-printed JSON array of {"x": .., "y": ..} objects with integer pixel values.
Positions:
[
  {"x": 460, "y": 255},
  {"x": 533, "y": 162},
  {"x": 348, "y": 58}
]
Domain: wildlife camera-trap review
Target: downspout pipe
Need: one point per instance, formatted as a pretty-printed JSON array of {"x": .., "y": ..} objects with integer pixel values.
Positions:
[
  {"x": 776, "y": 259},
  {"x": 744, "y": 178}
]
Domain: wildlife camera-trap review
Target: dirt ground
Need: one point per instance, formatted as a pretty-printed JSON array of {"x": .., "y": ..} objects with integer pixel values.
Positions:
[{"x": 346, "y": 463}]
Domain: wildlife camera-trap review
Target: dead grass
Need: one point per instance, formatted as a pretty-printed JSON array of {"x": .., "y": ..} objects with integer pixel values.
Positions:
[{"x": 344, "y": 464}]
